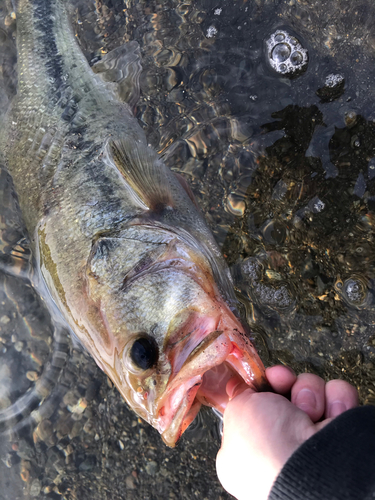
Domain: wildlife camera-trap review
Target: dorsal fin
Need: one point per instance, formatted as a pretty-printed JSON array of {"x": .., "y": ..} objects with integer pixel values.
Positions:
[
  {"x": 121, "y": 67},
  {"x": 145, "y": 173}
]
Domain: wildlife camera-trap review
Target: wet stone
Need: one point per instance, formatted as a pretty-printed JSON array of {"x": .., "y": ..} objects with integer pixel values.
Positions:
[
  {"x": 88, "y": 464},
  {"x": 130, "y": 483},
  {"x": 44, "y": 431},
  {"x": 25, "y": 450},
  {"x": 350, "y": 119},
  {"x": 35, "y": 488},
  {"x": 18, "y": 346},
  {"x": 151, "y": 468},
  {"x": 4, "y": 319},
  {"x": 32, "y": 376},
  {"x": 360, "y": 186},
  {"x": 91, "y": 391},
  {"x": 10, "y": 459},
  {"x": 76, "y": 429}
]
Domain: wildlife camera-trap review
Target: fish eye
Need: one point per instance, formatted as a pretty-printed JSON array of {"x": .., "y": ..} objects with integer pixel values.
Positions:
[{"x": 144, "y": 352}]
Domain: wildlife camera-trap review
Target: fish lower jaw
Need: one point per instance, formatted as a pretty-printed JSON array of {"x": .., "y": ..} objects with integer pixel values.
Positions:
[
  {"x": 221, "y": 361},
  {"x": 179, "y": 411},
  {"x": 183, "y": 405}
]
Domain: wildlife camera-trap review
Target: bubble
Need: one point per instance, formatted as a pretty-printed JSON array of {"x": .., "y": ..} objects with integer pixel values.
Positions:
[
  {"x": 265, "y": 287},
  {"x": 355, "y": 142},
  {"x": 279, "y": 37},
  {"x": 276, "y": 297},
  {"x": 296, "y": 58},
  {"x": 280, "y": 53},
  {"x": 274, "y": 232},
  {"x": 285, "y": 54},
  {"x": 250, "y": 269},
  {"x": 279, "y": 190},
  {"x": 333, "y": 80},
  {"x": 355, "y": 291},
  {"x": 211, "y": 32},
  {"x": 316, "y": 205}
]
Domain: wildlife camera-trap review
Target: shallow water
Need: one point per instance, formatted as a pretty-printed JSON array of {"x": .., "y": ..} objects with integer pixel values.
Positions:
[{"x": 282, "y": 166}]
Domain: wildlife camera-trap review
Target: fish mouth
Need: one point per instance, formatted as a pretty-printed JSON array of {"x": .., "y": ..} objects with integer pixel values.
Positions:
[{"x": 203, "y": 377}]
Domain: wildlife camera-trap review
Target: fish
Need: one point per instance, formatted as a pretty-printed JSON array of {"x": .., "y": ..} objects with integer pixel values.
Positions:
[{"x": 123, "y": 254}]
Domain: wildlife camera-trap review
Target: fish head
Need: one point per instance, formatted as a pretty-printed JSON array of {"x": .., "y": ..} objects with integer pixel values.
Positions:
[{"x": 169, "y": 341}]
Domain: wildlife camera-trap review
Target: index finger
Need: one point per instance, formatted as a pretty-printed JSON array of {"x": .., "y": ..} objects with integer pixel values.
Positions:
[{"x": 281, "y": 378}]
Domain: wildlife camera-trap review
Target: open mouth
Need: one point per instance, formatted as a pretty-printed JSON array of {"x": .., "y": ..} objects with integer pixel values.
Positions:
[{"x": 202, "y": 379}]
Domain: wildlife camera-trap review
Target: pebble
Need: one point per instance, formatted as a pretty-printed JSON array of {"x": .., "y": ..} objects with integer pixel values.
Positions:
[
  {"x": 151, "y": 468},
  {"x": 129, "y": 482},
  {"x": 44, "y": 431},
  {"x": 18, "y": 346},
  {"x": 35, "y": 488},
  {"x": 32, "y": 376},
  {"x": 88, "y": 464}
]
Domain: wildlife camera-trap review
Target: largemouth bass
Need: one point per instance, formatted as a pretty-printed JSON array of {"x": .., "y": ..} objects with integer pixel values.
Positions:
[{"x": 120, "y": 244}]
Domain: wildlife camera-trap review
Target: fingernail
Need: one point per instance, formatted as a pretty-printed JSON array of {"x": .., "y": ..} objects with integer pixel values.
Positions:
[
  {"x": 305, "y": 399},
  {"x": 335, "y": 409}
]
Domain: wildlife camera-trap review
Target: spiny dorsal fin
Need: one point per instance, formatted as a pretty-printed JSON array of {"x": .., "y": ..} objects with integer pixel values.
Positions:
[{"x": 145, "y": 173}]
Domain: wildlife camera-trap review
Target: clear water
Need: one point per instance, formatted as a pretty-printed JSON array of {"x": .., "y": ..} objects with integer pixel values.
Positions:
[{"x": 282, "y": 165}]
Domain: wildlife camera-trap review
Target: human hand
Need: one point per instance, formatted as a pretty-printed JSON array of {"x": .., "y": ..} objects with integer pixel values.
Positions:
[{"x": 262, "y": 430}]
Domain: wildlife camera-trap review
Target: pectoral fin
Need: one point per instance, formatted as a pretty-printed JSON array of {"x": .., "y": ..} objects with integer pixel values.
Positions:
[{"x": 145, "y": 173}]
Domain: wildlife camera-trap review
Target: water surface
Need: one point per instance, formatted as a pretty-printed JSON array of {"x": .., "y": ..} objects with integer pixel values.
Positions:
[{"x": 283, "y": 168}]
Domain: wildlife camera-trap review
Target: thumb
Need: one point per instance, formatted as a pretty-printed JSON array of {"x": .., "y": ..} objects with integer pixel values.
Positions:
[{"x": 235, "y": 387}]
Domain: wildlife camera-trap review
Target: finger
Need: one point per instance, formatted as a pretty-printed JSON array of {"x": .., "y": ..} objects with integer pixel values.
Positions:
[
  {"x": 281, "y": 378},
  {"x": 340, "y": 396},
  {"x": 308, "y": 394},
  {"x": 310, "y": 431},
  {"x": 234, "y": 387}
]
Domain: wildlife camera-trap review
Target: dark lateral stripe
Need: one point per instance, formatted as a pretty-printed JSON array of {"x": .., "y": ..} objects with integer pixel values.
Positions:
[{"x": 44, "y": 24}]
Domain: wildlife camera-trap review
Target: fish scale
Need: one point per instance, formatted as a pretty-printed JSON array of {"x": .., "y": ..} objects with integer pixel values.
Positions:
[{"x": 97, "y": 202}]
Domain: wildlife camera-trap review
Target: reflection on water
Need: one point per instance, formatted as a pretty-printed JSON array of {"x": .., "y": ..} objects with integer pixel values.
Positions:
[{"x": 283, "y": 169}]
